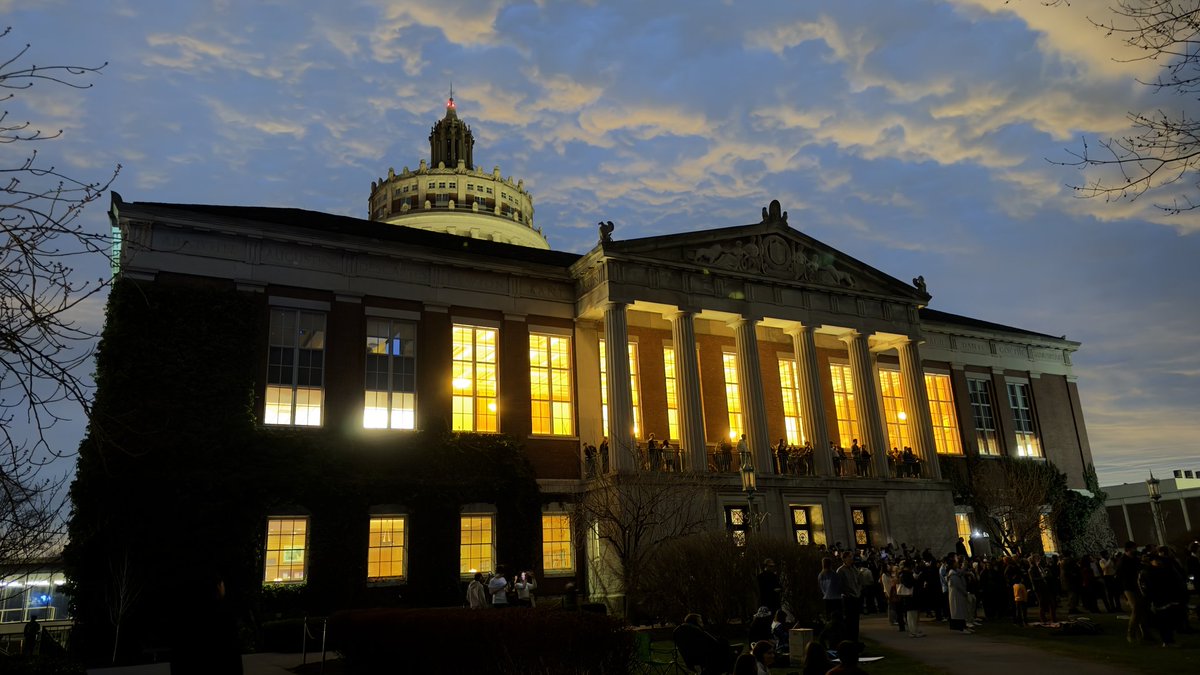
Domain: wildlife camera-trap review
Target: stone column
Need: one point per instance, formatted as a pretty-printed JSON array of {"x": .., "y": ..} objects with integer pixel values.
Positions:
[
  {"x": 866, "y": 399},
  {"x": 694, "y": 445},
  {"x": 621, "y": 447},
  {"x": 812, "y": 407},
  {"x": 754, "y": 409},
  {"x": 916, "y": 403}
]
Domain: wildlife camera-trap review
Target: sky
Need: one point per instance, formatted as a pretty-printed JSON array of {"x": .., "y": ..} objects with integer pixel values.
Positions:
[{"x": 921, "y": 137}]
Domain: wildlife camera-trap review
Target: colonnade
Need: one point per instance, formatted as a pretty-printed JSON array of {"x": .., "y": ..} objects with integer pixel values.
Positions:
[{"x": 693, "y": 439}]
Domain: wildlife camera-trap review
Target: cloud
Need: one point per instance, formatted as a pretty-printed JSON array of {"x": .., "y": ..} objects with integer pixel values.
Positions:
[{"x": 233, "y": 123}]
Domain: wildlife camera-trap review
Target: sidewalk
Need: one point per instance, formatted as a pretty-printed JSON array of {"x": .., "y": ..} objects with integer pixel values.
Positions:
[
  {"x": 977, "y": 654},
  {"x": 282, "y": 664}
]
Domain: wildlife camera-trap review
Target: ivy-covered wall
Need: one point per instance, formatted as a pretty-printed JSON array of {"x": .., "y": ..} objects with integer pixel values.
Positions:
[{"x": 175, "y": 479}]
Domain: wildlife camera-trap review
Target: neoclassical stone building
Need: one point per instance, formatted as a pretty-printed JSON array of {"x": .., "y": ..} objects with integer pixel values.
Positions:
[{"x": 466, "y": 321}]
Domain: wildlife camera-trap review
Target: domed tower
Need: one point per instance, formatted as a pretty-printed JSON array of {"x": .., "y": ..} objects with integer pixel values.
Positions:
[{"x": 449, "y": 194}]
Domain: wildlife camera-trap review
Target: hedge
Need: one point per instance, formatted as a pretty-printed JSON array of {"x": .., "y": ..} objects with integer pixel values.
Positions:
[{"x": 509, "y": 641}]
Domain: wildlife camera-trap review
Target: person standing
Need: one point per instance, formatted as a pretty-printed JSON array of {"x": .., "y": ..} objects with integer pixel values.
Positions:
[
  {"x": 477, "y": 593},
  {"x": 956, "y": 587},
  {"x": 851, "y": 584},
  {"x": 831, "y": 592},
  {"x": 1020, "y": 600},
  {"x": 32, "y": 630},
  {"x": 909, "y": 602},
  {"x": 525, "y": 585},
  {"x": 1128, "y": 568},
  {"x": 770, "y": 591},
  {"x": 498, "y": 587}
]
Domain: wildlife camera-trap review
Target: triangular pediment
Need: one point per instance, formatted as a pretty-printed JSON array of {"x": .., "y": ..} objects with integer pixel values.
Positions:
[{"x": 770, "y": 251}]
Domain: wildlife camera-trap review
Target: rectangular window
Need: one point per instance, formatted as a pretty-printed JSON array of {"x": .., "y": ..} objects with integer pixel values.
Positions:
[
  {"x": 550, "y": 385},
  {"x": 985, "y": 421},
  {"x": 386, "y": 545},
  {"x": 295, "y": 368},
  {"x": 737, "y": 523},
  {"x": 962, "y": 522},
  {"x": 1023, "y": 420},
  {"x": 1049, "y": 543},
  {"x": 843, "y": 403},
  {"x": 862, "y": 528},
  {"x": 391, "y": 382},
  {"x": 477, "y": 545},
  {"x": 672, "y": 393},
  {"x": 474, "y": 382},
  {"x": 634, "y": 388},
  {"x": 802, "y": 525},
  {"x": 287, "y": 551},
  {"x": 558, "y": 553},
  {"x": 895, "y": 418},
  {"x": 941, "y": 411},
  {"x": 791, "y": 401},
  {"x": 733, "y": 395}
]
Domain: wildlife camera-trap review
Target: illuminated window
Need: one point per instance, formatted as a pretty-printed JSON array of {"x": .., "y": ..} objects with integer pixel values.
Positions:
[
  {"x": 862, "y": 528},
  {"x": 672, "y": 393},
  {"x": 791, "y": 401},
  {"x": 962, "y": 522},
  {"x": 477, "y": 545},
  {"x": 558, "y": 554},
  {"x": 287, "y": 549},
  {"x": 1049, "y": 543},
  {"x": 843, "y": 403},
  {"x": 474, "y": 382},
  {"x": 634, "y": 388},
  {"x": 802, "y": 525},
  {"x": 295, "y": 368},
  {"x": 941, "y": 411},
  {"x": 894, "y": 416},
  {"x": 985, "y": 421},
  {"x": 550, "y": 384},
  {"x": 391, "y": 383},
  {"x": 1023, "y": 422},
  {"x": 733, "y": 395},
  {"x": 385, "y": 548},
  {"x": 737, "y": 523}
]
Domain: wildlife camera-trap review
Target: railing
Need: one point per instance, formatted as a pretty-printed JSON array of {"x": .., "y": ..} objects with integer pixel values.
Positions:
[{"x": 308, "y": 635}]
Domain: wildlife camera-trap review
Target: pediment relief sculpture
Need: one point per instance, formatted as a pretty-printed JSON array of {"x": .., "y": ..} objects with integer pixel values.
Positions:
[{"x": 775, "y": 256}]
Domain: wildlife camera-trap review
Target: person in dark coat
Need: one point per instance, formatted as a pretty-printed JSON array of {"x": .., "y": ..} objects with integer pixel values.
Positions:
[
  {"x": 770, "y": 590},
  {"x": 700, "y": 649}
]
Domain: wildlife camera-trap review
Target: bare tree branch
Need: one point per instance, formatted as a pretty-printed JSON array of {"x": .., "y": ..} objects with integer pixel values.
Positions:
[
  {"x": 42, "y": 346},
  {"x": 1162, "y": 148}
]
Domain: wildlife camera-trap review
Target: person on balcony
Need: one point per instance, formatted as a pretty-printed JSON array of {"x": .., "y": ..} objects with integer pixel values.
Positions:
[
  {"x": 654, "y": 452},
  {"x": 864, "y": 462},
  {"x": 781, "y": 454},
  {"x": 836, "y": 454}
]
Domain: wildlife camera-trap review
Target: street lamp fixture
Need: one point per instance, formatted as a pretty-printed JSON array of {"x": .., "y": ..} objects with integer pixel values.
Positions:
[
  {"x": 1152, "y": 486},
  {"x": 749, "y": 486}
]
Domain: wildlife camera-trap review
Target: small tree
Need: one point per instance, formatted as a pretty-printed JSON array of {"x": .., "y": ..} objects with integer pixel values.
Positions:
[
  {"x": 42, "y": 347},
  {"x": 632, "y": 516},
  {"x": 1011, "y": 498}
]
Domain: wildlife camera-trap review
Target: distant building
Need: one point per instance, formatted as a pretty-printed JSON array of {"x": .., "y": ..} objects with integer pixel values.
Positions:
[
  {"x": 343, "y": 340},
  {"x": 1131, "y": 514}
]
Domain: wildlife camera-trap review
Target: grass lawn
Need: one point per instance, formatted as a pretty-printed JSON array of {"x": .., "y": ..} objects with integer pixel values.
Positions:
[
  {"x": 1108, "y": 647},
  {"x": 893, "y": 663}
]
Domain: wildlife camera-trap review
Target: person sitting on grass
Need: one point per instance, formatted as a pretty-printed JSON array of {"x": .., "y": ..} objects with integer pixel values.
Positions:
[
  {"x": 764, "y": 656},
  {"x": 816, "y": 660},
  {"x": 848, "y": 653}
]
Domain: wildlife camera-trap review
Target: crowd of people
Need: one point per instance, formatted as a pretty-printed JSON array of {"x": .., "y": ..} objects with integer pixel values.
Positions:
[{"x": 916, "y": 589}]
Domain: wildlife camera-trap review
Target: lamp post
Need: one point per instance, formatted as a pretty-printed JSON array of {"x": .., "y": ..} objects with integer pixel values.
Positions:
[
  {"x": 1156, "y": 508},
  {"x": 749, "y": 486}
]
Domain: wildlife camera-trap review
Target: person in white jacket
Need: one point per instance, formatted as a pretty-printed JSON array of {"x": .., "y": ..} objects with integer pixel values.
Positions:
[{"x": 477, "y": 593}]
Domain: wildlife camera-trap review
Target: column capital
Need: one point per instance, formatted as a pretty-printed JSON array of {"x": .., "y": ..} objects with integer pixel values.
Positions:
[
  {"x": 680, "y": 312},
  {"x": 798, "y": 328},
  {"x": 850, "y": 335},
  {"x": 742, "y": 320}
]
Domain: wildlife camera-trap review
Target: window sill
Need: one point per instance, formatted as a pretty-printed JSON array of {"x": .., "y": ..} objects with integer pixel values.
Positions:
[
  {"x": 552, "y": 437},
  {"x": 384, "y": 583},
  {"x": 559, "y": 574}
]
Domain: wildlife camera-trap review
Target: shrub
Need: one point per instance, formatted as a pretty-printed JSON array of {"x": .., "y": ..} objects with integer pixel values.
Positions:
[{"x": 511, "y": 641}]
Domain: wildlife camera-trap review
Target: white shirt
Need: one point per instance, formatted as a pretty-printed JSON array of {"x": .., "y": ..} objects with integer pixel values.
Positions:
[{"x": 498, "y": 587}]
